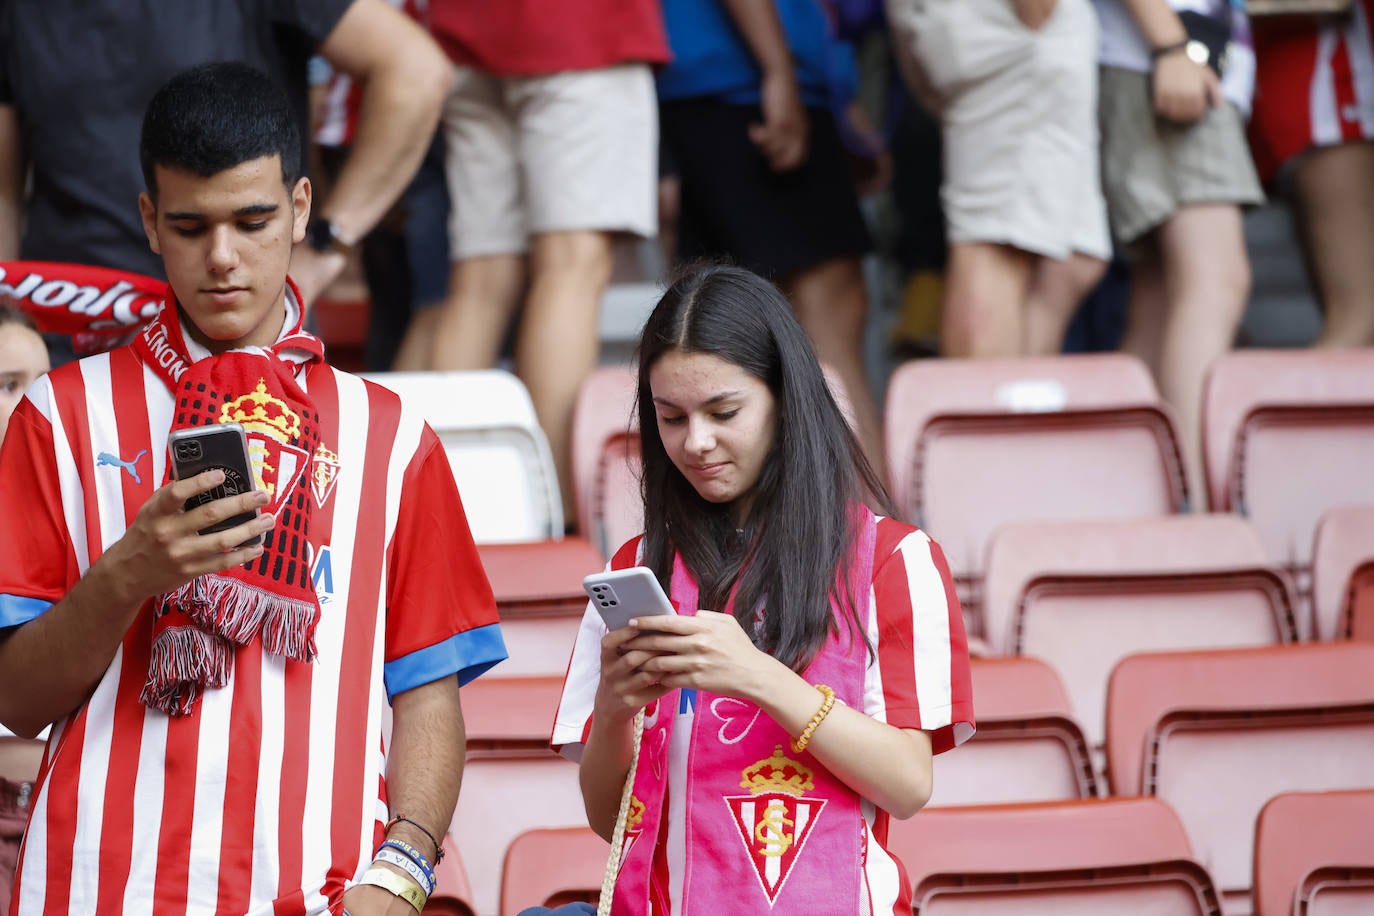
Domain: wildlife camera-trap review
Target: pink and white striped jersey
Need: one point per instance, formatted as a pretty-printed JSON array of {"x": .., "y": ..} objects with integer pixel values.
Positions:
[
  {"x": 270, "y": 796},
  {"x": 919, "y": 679}
]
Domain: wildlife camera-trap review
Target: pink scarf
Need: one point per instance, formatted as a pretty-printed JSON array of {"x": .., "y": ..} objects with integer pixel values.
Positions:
[
  {"x": 198, "y": 626},
  {"x": 767, "y": 830}
]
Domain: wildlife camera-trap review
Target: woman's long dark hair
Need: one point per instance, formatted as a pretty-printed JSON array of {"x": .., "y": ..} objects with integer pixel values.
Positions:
[{"x": 801, "y": 526}]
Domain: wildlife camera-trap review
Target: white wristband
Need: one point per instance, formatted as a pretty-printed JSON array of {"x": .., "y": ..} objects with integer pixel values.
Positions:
[{"x": 401, "y": 861}]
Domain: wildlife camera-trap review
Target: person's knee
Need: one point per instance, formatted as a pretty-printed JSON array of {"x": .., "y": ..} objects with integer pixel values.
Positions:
[{"x": 575, "y": 256}]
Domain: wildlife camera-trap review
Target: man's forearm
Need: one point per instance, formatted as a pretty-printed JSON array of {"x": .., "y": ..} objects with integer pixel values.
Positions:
[
  {"x": 425, "y": 763},
  {"x": 758, "y": 23},
  {"x": 1157, "y": 21},
  {"x": 11, "y": 183}
]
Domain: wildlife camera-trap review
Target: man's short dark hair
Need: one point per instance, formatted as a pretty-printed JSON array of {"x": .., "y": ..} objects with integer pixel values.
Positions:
[{"x": 214, "y": 117}]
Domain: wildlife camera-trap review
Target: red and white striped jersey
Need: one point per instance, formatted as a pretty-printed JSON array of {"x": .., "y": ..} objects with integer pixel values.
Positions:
[
  {"x": 270, "y": 796},
  {"x": 918, "y": 679}
]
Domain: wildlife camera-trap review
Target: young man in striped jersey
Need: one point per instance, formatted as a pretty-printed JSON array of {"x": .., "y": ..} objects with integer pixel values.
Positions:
[{"x": 218, "y": 699}]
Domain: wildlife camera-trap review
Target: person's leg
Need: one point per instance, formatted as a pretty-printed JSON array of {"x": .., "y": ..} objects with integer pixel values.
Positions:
[
  {"x": 1056, "y": 290},
  {"x": 483, "y": 294},
  {"x": 1146, "y": 312},
  {"x": 831, "y": 302},
  {"x": 1335, "y": 188},
  {"x": 1207, "y": 279},
  {"x": 558, "y": 342},
  {"x": 985, "y": 286}
]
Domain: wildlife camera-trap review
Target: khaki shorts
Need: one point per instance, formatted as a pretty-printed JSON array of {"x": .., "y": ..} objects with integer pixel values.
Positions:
[
  {"x": 1151, "y": 167},
  {"x": 1018, "y": 109},
  {"x": 574, "y": 150}
]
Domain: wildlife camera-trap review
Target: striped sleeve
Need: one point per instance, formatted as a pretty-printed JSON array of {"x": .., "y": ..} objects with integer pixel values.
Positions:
[
  {"x": 39, "y": 563},
  {"x": 920, "y": 678}
]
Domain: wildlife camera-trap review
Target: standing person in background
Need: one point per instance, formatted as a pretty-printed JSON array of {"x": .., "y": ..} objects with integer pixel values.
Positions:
[
  {"x": 551, "y": 138},
  {"x": 1177, "y": 171},
  {"x": 75, "y": 79},
  {"x": 764, "y": 176},
  {"x": 1311, "y": 133},
  {"x": 217, "y": 692},
  {"x": 1014, "y": 83},
  {"x": 23, "y": 358},
  {"x": 818, "y": 655}
]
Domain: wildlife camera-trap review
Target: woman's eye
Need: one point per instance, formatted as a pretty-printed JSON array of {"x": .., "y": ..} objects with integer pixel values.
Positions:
[
  {"x": 671, "y": 421},
  {"x": 726, "y": 415}
]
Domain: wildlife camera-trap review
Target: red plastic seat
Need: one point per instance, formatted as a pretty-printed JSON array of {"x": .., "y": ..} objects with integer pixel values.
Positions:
[
  {"x": 973, "y": 444},
  {"x": 605, "y": 458},
  {"x": 1344, "y": 542},
  {"x": 1314, "y": 854},
  {"x": 1054, "y": 858},
  {"x": 453, "y": 895},
  {"x": 1082, "y": 595},
  {"x": 1028, "y": 746},
  {"x": 550, "y": 867},
  {"x": 1358, "y": 616},
  {"x": 1217, "y": 734},
  {"x": 1287, "y": 435}
]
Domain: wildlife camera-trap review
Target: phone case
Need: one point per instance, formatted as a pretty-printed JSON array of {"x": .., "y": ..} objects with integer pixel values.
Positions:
[
  {"x": 625, "y": 593},
  {"x": 223, "y": 446}
]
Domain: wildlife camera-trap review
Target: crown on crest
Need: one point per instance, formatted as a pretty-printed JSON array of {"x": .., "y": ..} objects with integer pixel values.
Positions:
[
  {"x": 259, "y": 412},
  {"x": 777, "y": 774},
  {"x": 324, "y": 454},
  {"x": 635, "y": 816}
]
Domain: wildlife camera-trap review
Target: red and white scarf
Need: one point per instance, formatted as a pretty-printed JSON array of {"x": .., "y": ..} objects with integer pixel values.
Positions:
[{"x": 199, "y": 625}]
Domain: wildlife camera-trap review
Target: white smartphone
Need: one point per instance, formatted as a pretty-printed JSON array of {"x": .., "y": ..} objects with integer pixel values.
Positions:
[{"x": 622, "y": 594}]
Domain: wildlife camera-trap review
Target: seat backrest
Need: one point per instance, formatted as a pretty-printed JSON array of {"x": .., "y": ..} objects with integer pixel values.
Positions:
[
  {"x": 1344, "y": 541},
  {"x": 500, "y": 456},
  {"x": 1302, "y": 833},
  {"x": 453, "y": 893},
  {"x": 502, "y": 713},
  {"x": 538, "y": 589},
  {"x": 1216, "y": 734},
  {"x": 604, "y": 463},
  {"x": 1027, "y": 748},
  {"x": 552, "y": 866},
  {"x": 1097, "y": 855},
  {"x": 1358, "y": 616}
]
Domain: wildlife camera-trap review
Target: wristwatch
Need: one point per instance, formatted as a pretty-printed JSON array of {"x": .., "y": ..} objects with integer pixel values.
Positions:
[
  {"x": 323, "y": 236},
  {"x": 1194, "y": 50}
]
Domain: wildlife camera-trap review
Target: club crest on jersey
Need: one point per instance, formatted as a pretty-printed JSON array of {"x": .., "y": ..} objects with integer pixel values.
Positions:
[
  {"x": 324, "y": 473},
  {"x": 775, "y": 818},
  {"x": 271, "y": 426},
  {"x": 634, "y": 826}
]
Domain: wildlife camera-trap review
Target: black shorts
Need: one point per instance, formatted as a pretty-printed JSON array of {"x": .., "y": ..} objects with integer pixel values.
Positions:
[{"x": 735, "y": 206}]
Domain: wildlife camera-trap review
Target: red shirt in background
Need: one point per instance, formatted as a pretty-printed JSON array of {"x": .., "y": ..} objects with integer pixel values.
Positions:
[{"x": 537, "y": 37}]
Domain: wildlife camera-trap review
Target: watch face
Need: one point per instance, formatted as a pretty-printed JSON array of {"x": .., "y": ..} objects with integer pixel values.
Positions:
[{"x": 1197, "y": 52}]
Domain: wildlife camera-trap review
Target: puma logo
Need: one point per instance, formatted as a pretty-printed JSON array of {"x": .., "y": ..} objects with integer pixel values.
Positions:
[{"x": 114, "y": 461}]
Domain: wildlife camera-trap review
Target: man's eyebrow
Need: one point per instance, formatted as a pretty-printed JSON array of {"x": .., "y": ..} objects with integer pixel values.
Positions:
[{"x": 250, "y": 210}]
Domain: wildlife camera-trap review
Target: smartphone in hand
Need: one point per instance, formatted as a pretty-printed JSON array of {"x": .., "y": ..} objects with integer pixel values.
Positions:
[
  {"x": 622, "y": 594},
  {"x": 221, "y": 445}
]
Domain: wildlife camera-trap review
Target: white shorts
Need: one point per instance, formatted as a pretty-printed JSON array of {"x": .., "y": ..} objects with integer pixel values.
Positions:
[{"x": 573, "y": 150}]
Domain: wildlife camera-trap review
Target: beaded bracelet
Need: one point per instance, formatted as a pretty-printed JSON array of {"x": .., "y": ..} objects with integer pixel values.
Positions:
[
  {"x": 407, "y": 865},
  {"x": 800, "y": 742},
  {"x": 399, "y": 885},
  {"x": 438, "y": 849}
]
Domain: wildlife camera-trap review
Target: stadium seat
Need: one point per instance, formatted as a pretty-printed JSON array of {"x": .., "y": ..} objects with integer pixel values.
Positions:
[
  {"x": 551, "y": 867},
  {"x": 1344, "y": 542},
  {"x": 499, "y": 453},
  {"x": 538, "y": 588},
  {"x": 1052, "y": 859},
  {"x": 605, "y": 458},
  {"x": 1358, "y": 616},
  {"x": 1287, "y": 435},
  {"x": 1314, "y": 854},
  {"x": 1081, "y": 595},
  {"x": 453, "y": 894},
  {"x": 1028, "y": 746},
  {"x": 1217, "y": 734},
  {"x": 973, "y": 444}
]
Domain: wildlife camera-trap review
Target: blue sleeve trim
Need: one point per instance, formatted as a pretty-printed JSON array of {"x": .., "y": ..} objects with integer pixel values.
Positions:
[
  {"x": 16, "y": 609},
  {"x": 467, "y": 654}
]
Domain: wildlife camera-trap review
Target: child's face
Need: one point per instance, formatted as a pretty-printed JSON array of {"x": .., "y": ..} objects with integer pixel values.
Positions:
[{"x": 23, "y": 358}]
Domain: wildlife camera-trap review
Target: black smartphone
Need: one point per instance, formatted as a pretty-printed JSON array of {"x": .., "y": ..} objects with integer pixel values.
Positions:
[{"x": 221, "y": 445}]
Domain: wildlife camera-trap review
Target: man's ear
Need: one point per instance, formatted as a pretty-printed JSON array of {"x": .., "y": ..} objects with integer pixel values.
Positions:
[
  {"x": 148, "y": 210},
  {"x": 300, "y": 205}
]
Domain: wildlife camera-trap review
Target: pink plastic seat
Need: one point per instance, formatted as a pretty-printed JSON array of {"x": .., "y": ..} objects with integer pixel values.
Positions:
[
  {"x": 973, "y": 444},
  {"x": 1314, "y": 854},
  {"x": 1217, "y": 734},
  {"x": 605, "y": 458},
  {"x": 1052, "y": 859},
  {"x": 453, "y": 894},
  {"x": 1344, "y": 542},
  {"x": 1028, "y": 746},
  {"x": 1287, "y": 435},
  {"x": 1082, "y": 595},
  {"x": 551, "y": 867}
]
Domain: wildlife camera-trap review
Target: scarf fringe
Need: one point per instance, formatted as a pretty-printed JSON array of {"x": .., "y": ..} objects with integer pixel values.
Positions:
[
  {"x": 288, "y": 628},
  {"x": 232, "y": 608},
  {"x": 184, "y": 661}
]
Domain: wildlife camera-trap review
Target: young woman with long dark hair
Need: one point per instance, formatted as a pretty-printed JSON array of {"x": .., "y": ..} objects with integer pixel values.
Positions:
[{"x": 817, "y": 660}]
